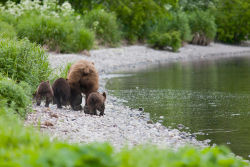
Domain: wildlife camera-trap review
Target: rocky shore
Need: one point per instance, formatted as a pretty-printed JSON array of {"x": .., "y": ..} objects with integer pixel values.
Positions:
[{"x": 120, "y": 125}]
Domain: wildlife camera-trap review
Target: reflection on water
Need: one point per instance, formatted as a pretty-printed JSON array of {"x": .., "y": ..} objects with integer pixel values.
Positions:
[{"x": 211, "y": 97}]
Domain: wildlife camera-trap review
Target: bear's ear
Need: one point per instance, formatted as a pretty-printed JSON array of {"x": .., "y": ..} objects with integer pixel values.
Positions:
[
  {"x": 93, "y": 63},
  {"x": 47, "y": 81},
  {"x": 86, "y": 70},
  {"x": 104, "y": 95}
]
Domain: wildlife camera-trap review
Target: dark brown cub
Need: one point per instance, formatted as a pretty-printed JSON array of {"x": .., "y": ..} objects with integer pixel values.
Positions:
[
  {"x": 61, "y": 91},
  {"x": 95, "y": 101},
  {"x": 44, "y": 91}
]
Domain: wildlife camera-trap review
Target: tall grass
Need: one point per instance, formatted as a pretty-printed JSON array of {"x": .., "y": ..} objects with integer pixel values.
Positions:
[{"x": 23, "y": 61}]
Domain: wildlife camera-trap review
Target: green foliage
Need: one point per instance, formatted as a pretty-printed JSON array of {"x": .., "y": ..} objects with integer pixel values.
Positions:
[
  {"x": 23, "y": 61},
  {"x": 179, "y": 22},
  {"x": 163, "y": 40},
  {"x": 56, "y": 34},
  {"x": 190, "y": 5},
  {"x": 81, "y": 39},
  {"x": 176, "y": 21},
  {"x": 203, "y": 22},
  {"x": 7, "y": 31},
  {"x": 49, "y": 31},
  {"x": 6, "y": 17},
  {"x": 151, "y": 156},
  {"x": 17, "y": 96},
  {"x": 232, "y": 19},
  {"x": 61, "y": 72},
  {"x": 104, "y": 25}
]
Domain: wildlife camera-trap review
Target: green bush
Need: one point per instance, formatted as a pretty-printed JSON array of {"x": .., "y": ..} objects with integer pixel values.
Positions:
[
  {"x": 79, "y": 40},
  {"x": 7, "y": 31},
  {"x": 23, "y": 61},
  {"x": 17, "y": 96},
  {"x": 191, "y": 5},
  {"x": 232, "y": 19},
  {"x": 134, "y": 16},
  {"x": 179, "y": 21},
  {"x": 48, "y": 31},
  {"x": 104, "y": 25},
  {"x": 176, "y": 21},
  {"x": 163, "y": 40},
  {"x": 202, "y": 23},
  {"x": 56, "y": 34},
  {"x": 6, "y": 17}
]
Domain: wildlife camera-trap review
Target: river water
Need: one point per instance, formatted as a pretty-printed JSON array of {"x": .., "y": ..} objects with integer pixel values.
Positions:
[{"x": 211, "y": 98}]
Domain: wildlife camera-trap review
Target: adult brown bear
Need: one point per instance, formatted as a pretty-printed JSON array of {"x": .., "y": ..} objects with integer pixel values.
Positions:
[{"x": 82, "y": 78}]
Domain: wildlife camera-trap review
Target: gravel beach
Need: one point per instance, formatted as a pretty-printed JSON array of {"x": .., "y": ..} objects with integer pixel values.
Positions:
[{"x": 120, "y": 125}]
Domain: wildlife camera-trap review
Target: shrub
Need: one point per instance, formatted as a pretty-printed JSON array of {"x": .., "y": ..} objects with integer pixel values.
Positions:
[
  {"x": 203, "y": 27},
  {"x": 162, "y": 40},
  {"x": 23, "y": 61},
  {"x": 7, "y": 31},
  {"x": 232, "y": 19},
  {"x": 17, "y": 96},
  {"x": 134, "y": 16},
  {"x": 49, "y": 31},
  {"x": 6, "y": 17},
  {"x": 176, "y": 21},
  {"x": 56, "y": 34},
  {"x": 44, "y": 8},
  {"x": 191, "y": 5},
  {"x": 179, "y": 21},
  {"x": 79, "y": 40},
  {"x": 104, "y": 25}
]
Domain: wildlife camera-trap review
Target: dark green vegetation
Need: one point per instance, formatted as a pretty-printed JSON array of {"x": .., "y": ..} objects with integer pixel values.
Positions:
[
  {"x": 210, "y": 97},
  {"x": 160, "y": 23}
]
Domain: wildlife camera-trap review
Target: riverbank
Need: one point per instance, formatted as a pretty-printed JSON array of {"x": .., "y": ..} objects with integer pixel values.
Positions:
[{"x": 122, "y": 126}]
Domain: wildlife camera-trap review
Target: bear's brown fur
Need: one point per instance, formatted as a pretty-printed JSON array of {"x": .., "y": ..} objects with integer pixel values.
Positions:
[
  {"x": 61, "y": 90},
  {"x": 83, "y": 78},
  {"x": 95, "y": 101},
  {"x": 44, "y": 90}
]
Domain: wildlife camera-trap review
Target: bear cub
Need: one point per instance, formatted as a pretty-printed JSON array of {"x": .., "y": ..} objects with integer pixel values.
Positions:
[
  {"x": 61, "y": 91},
  {"x": 95, "y": 102},
  {"x": 44, "y": 91}
]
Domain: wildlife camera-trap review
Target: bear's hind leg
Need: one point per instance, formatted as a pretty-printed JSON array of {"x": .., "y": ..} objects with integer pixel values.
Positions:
[{"x": 58, "y": 102}]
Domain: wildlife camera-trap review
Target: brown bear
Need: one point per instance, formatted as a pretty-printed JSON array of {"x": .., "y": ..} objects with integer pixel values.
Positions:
[
  {"x": 44, "y": 90},
  {"x": 82, "y": 78},
  {"x": 61, "y": 91},
  {"x": 95, "y": 101}
]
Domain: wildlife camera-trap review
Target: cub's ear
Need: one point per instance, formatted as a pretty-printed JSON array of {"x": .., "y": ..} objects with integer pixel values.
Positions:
[
  {"x": 104, "y": 95},
  {"x": 93, "y": 63},
  {"x": 47, "y": 81}
]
